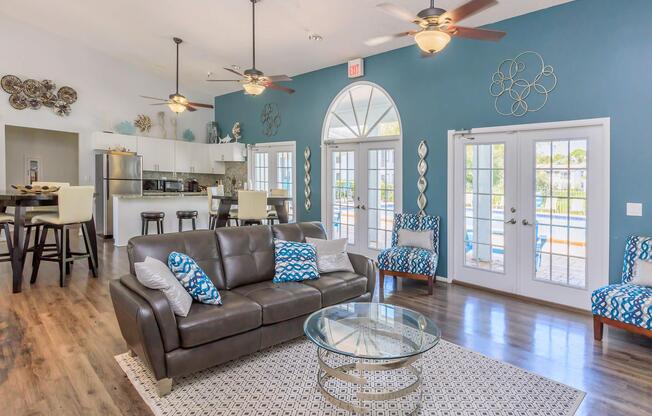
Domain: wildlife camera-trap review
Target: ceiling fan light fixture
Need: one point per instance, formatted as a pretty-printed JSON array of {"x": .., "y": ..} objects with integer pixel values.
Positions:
[
  {"x": 253, "y": 88},
  {"x": 432, "y": 40},
  {"x": 177, "y": 103}
]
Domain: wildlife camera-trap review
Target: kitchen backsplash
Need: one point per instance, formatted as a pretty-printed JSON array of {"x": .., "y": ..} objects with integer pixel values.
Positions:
[{"x": 233, "y": 170}]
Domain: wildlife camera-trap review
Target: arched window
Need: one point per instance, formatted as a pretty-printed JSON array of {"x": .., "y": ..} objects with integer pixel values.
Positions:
[{"x": 362, "y": 110}]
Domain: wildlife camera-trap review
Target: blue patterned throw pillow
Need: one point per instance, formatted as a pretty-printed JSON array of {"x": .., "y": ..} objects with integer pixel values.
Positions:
[
  {"x": 294, "y": 262},
  {"x": 193, "y": 279}
]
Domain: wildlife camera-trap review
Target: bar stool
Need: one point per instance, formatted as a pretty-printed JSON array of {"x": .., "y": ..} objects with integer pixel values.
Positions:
[
  {"x": 75, "y": 207},
  {"x": 5, "y": 221},
  {"x": 147, "y": 216},
  {"x": 186, "y": 215},
  {"x": 252, "y": 207}
]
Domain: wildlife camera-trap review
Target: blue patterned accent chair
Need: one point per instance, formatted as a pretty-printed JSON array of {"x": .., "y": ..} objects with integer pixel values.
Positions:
[
  {"x": 410, "y": 262},
  {"x": 625, "y": 305}
]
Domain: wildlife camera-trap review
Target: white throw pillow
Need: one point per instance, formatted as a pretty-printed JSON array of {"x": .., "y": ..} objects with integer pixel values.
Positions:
[
  {"x": 331, "y": 255},
  {"x": 643, "y": 273},
  {"x": 418, "y": 239},
  {"x": 155, "y": 274}
]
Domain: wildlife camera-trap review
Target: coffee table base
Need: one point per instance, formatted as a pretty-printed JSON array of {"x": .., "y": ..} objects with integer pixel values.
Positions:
[{"x": 341, "y": 373}]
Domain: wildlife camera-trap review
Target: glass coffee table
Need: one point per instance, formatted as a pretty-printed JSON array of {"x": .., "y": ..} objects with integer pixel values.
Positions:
[{"x": 368, "y": 355}]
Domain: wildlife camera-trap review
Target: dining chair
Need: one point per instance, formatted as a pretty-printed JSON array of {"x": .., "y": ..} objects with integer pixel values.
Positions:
[
  {"x": 252, "y": 207},
  {"x": 75, "y": 207},
  {"x": 271, "y": 213},
  {"x": 5, "y": 221}
]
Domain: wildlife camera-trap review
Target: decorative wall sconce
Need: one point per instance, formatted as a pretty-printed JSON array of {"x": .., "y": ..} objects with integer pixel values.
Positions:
[
  {"x": 306, "y": 178},
  {"x": 422, "y": 183}
]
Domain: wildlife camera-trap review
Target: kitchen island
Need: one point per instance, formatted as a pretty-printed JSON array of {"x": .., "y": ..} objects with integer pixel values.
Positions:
[{"x": 127, "y": 209}]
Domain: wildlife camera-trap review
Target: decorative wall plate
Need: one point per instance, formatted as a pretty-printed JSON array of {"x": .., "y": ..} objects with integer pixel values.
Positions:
[
  {"x": 61, "y": 108},
  {"x": 18, "y": 101},
  {"x": 67, "y": 94},
  {"x": 11, "y": 84},
  {"x": 48, "y": 99},
  {"x": 34, "y": 103},
  {"x": 48, "y": 85},
  {"x": 32, "y": 88}
]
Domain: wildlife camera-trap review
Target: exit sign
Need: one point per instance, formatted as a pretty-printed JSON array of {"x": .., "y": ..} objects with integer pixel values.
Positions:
[{"x": 356, "y": 68}]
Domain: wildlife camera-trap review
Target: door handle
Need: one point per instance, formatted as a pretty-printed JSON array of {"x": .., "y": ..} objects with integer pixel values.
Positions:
[
  {"x": 512, "y": 221},
  {"x": 525, "y": 222}
]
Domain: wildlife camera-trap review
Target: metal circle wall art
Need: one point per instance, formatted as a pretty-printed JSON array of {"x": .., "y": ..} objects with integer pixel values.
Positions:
[
  {"x": 422, "y": 182},
  {"x": 306, "y": 178},
  {"x": 34, "y": 94},
  {"x": 521, "y": 85},
  {"x": 271, "y": 119}
]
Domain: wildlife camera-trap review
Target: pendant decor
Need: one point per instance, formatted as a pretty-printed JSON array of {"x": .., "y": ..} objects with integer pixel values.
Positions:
[
  {"x": 521, "y": 85},
  {"x": 236, "y": 131},
  {"x": 422, "y": 183},
  {"x": 36, "y": 94},
  {"x": 271, "y": 119},
  {"x": 306, "y": 178},
  {"x": 143, "y": 123}
]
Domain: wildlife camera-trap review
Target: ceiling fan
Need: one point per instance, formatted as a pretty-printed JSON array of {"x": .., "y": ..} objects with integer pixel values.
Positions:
[
  {"x": 177, "y": 102},
  {"x": 437, "y": 26},
  {"x": 254, "y": 82}
]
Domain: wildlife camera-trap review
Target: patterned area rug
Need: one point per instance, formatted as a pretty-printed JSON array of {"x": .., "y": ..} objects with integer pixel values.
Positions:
[{"x": 282, "y": 381}]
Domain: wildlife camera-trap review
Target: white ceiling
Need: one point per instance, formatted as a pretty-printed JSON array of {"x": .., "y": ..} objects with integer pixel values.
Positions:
[{"x": 217, "y": 33}]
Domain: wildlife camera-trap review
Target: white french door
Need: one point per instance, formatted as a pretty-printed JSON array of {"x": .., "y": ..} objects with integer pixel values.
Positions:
[
  {"x": 531, "y": 211},
  {"x": 363, "y": 186},
  {"x": 272, "y": 166}
]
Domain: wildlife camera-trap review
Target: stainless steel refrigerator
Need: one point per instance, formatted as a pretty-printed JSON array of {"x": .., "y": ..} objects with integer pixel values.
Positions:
[{"x": 115, "y": 174}]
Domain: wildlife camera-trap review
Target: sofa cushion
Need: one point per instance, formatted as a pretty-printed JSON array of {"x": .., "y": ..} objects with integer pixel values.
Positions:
[
  {"x": 282, "y": 301},
  {"x": 247, "y": 254},
  {"x": 299, "y": 231},
  {"x": 193, "y": 279},
  {"x": 336, "y": 287},
  {"x": 201, "y": 245},
  {"x": 294, "y": 262},
  {"x": 208, "y": 323},
  {"x": 631, "y": 304}
]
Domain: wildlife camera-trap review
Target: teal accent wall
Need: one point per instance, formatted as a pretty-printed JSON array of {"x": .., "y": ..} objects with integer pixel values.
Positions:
[{"x": 602, "y": 54}]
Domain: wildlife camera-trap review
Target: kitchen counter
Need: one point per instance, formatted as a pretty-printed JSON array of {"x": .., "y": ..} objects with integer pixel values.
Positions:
[{"x": 127, "y": 208}]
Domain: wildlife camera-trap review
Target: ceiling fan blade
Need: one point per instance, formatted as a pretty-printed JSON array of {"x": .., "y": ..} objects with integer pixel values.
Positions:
[
  {"x": 277, "y": 78},
  {"x": 223, "y": 80},
  {"x": 200, "y": 105},
  {"x": 190, "y": 108},
  {"x": 478, "y": 34},
  {"x": 234, "y": 71},
  {"x": 384, "y": 39},
  {"x": 467, "y": 10},
  {"x": 153, "y": 98},
  {"x": 165, "y": 103},
  {"x": 279, "y": 87},
  {"x": 398, "y": 12}
]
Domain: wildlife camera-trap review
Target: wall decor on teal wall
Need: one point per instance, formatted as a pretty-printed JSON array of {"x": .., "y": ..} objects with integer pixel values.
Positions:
[{"x": 601, "y": 74}]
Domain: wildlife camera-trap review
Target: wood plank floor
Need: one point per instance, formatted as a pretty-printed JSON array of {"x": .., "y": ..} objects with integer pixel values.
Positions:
[{"x": 57, "y": 345}]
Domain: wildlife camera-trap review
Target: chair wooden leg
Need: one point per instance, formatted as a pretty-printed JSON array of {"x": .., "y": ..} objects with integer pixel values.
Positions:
[
  {"x": 10, "y": 244},
  {"x": 431, "y": 284},
  {"x": 162, "y": 230},
  {"x": 381, "y": 285},
  {"x": 146, "y": 227},
  {"x": 28, "y": 234},
  {"x": 68, "y": 252},
  {"x": 194, "y": 225},
  {"x": 598, "y": 328},
  {"x": 180, "y": 225},
  {"x": 91, "y": 258},
  {"x": 158, "y": 227},
  {"x": 62, "y": 256},
  {"x": 142, "y": 226},
  {"x": 37, "y": 239},
  {"x": 38, "y": 252}
]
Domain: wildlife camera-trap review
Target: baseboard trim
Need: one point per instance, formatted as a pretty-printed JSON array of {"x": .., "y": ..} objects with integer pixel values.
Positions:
[
  {"x": 524, "y": 298},
  {"x": 442, "y": 279}
]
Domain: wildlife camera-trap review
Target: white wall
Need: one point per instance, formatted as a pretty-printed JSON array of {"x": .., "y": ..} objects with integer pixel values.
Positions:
[
  {"x": 57, "y": 152},
  {"x": 108, "y": 89}
]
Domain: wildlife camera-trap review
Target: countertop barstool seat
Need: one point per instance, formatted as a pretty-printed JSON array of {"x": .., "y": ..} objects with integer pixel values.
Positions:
[
  {"x": 75, "y": 207},
  {"x": 187, "y": 215},
  {"x": 5, "y": 221},
  {"x": 155, "y": 216}
]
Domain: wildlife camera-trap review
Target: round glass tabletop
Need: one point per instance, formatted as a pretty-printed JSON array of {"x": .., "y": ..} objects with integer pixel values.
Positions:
[{"x": 372, "y": 330}]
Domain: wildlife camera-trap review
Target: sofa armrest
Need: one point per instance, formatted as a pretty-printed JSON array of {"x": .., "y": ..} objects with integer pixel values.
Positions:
[{"x": 366, "y": 267}]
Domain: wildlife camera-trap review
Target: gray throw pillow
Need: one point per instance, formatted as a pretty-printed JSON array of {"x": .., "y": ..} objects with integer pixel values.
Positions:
[
  {"x": 642, "y": 274},
  {"x": 331, "y": 255},
  {"x": 418, "y": 239},
  {"x": 155, "y": 274}
]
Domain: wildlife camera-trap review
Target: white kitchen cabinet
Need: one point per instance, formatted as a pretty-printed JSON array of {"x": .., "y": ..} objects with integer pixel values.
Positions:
[
  {"x": 195, "y": 158},
  {"x": 228, "y": 152},
  {"x": 112, "y": 141},
  {"x": 158, "y": 154}
]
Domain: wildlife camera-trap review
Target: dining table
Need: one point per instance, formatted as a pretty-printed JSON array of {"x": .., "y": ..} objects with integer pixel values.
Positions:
[
  {"x": 227, "y": 201},
  {"x": 20, "y": 201}
]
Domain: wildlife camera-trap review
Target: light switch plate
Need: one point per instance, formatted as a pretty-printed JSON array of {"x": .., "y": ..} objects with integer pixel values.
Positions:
[{"x": 634, "y": 209}]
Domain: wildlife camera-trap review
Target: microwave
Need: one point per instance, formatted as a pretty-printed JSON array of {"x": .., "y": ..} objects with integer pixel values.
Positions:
[
  {"x": 153, "y": 185},
  {"x": 172, "y": 186}
]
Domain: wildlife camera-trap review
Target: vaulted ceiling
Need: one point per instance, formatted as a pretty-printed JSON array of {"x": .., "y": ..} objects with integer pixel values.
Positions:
[{"x": 217, "y": 33}]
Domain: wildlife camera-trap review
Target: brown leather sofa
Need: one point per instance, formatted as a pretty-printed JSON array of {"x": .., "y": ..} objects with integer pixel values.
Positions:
[{"x": 256, "y": 313}]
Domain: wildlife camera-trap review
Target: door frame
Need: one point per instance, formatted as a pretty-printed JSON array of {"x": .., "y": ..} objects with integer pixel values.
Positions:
[
  {"x": 275, "y": 146},
  {"x": 603, "y": 123}
]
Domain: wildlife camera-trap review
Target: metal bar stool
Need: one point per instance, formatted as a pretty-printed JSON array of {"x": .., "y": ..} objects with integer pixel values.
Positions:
[
  {"x": 5, "y": 221},
  {"x": 148, "y": 216},
  {"x": 75, "y": 207},
  {"x": 187, "y": 215}
]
